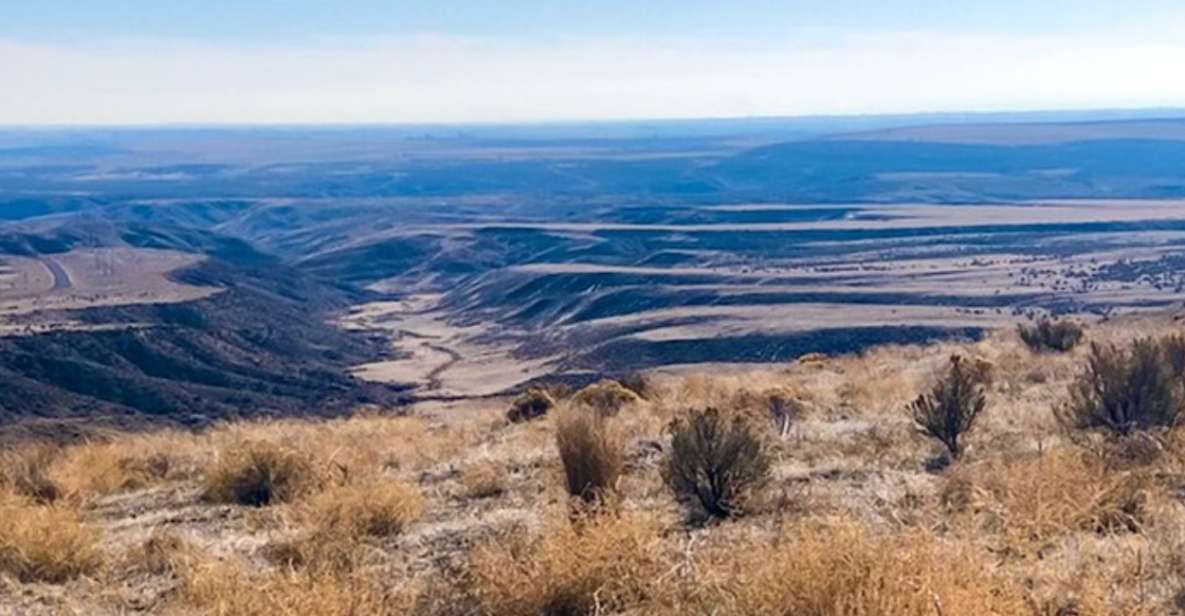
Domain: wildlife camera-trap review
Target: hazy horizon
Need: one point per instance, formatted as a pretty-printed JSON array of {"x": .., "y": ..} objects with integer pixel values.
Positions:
[
  {"x": 1087, "y": 114},
  {"x": 121, "y": 62}
]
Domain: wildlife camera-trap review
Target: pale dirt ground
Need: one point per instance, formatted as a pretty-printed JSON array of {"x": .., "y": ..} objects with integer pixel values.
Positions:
[
  {"x": 449, "y": 360},
  {"x": 443, "y": 359},
  {"x": 897, "y": 216},
  {"x": 87, "y": 278}
]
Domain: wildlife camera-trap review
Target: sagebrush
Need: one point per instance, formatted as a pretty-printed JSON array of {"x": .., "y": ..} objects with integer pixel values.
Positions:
[
  {"x": 950, "y": 409},
  {"x": 716, "y": 462},
  {"x": 1125, "y": 388}
]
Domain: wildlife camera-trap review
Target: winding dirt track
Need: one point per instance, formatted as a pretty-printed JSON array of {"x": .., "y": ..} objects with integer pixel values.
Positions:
[{"x": 61, "y": 279}]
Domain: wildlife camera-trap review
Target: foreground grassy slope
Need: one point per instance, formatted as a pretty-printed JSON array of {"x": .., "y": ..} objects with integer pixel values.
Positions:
[{"x": 462, "y": 512}]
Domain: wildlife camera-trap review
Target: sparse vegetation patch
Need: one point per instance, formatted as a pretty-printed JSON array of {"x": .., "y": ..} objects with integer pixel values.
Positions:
[{"x": 1051, "y": 335}]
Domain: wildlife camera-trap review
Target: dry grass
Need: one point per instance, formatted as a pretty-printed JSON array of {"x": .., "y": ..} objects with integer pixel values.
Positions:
[
  {"x": 24, "y": 471},
  {"x": 605, "y": 564},
  {"x": 592, "y": 451},
  {"x": 364, "y": 444},
  {"x": 374, "y": 508},
  {"x": 220, "y": 587},
  {"x": 103, "y": 468},
  {"x": 45, "y": 543},
  {"x": 257, "y": 473},
  {"x": 606, "y": 397},
  {"x": 841, "y": 567},
  {"x": 1027, "y": 503},
  {"x": 484, "y": 480}
]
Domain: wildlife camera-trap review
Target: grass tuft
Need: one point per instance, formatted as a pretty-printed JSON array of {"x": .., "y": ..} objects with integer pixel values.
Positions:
[
  {"x": 258, "y": 473},
  {"x": 46, "y": 543},
  {"x": 592, "y": 451},
  {"x": 484, "y": 480}
]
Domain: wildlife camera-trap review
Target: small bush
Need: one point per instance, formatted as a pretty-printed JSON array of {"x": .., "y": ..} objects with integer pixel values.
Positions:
[
  {"x": 530, "y": 404},
  {"x": 23, "y": 471},
  {"x": 1125, "y": 389},
  {"x": 46, "y": 543},
  {"x": 484, "y": 480},
  {"x": 715, "y": 462},
  {"x": 592, "y": 452},
  {"x": 1050, "y": 335},
  {"x": 257, "y": 473},
  {"x": 951, "y": 407},
  {"x": 605, "y": 397}
]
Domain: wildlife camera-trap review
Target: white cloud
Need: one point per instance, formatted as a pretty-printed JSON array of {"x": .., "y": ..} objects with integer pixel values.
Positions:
[{"x": 430, "y": 78}]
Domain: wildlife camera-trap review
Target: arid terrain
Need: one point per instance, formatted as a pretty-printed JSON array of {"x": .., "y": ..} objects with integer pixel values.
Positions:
[
  {"x": 881, "y": 366},
  {"x": 221, "y": 273},
  {"x": 449, "y": 508}
]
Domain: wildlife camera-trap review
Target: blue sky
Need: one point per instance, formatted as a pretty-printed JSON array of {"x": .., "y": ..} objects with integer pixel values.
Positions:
[
  {"x": 141, "y": 61},
  {"x": 249, "y": 21}
]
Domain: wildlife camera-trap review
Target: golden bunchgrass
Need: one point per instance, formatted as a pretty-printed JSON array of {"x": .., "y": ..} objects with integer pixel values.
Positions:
[
  {"x": 45, "y": 543},
  {"x": 1025, "y": 503},
  {"x": 602, "y": 564},
  {"x": 372, "y": 508},
  {"x": 592, "y": 451},
  {"x": 258, "y": 473},
  {"x": 213, "y": 586},
  {"x": 837, "y": 567},
  {"x": 484, "y": 479}
]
